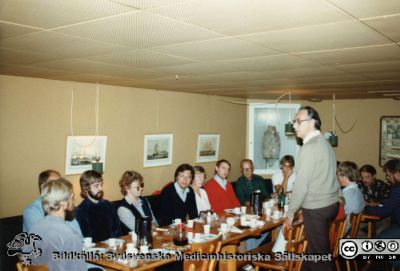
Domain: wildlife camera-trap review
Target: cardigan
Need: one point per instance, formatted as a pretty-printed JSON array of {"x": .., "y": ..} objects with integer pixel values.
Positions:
[
  {"x": 172, "y": 206},
  {"x": 221, "y": 199},
  {"x": 316, "y": 185}
]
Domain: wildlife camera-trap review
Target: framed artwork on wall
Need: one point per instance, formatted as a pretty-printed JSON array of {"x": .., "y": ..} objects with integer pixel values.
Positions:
[
  {"x": 207, "y": 148},
  {"x": 389, "y": 139},
  {"x": 267, "y": 142},
  {"x": 157, "y": 150},
  {"x": 82, "y": 151}
]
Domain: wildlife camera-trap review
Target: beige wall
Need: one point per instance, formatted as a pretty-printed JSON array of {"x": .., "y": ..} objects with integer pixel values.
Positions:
[
  {"x": 358, "y": 143},
  {"x": 35, "y": 121}
]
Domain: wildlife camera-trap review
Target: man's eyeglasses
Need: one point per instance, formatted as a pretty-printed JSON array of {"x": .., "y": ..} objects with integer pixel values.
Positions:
[
  {"x": 138, "y": 187},
  {"x": 299, "y": 121}
]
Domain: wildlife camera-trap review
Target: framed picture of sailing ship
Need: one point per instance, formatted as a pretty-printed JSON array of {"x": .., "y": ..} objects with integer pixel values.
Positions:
[
  {"x": 82, "y": 151},
  {"x": 207, "y": 148},
  {"x": 389, "y": 141},
  {"x": 157, "y": 150},
  {"x": 267, "y": 141}
]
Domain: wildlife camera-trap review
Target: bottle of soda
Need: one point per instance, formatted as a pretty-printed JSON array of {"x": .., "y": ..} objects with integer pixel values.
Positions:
[
  {"x": 282, "y": 199},
  {"x": 180, "y": 238}
]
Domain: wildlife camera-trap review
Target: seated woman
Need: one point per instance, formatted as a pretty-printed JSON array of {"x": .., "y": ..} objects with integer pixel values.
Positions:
[
  {"x": 133, "y": 206},
  {"x": 285, "y": 177},
  {"x": 202, "y": 202},
  {"x": 177, "y": 199},
  {"x": 347, "y": 175}
]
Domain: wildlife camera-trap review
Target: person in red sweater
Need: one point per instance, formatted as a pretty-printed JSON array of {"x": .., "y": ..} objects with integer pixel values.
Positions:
[{"x": 219, "y": 190}]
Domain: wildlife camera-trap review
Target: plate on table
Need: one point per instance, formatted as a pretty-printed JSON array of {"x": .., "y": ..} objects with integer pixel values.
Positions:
[
  {"x": 248, "y": 217},
  {"x": 209, "y": 236},
  {"x": 118, "y": 242},
  {"x": 232, "y": 211},
  {"x": 100, "y": 250}
]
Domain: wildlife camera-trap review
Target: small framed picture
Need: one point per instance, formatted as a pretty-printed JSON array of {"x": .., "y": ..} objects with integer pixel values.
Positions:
[
  {"x": 207, "y": 147},
  {"x": 389, "y": 141},
  {"x": 82, "y": 151},
  {"x": 157, "y": 150}
]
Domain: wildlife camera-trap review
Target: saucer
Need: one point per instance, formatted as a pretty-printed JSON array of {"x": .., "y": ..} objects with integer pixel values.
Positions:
[
  {"x": 100, "y": 250},
  {"x": 118, "y": 242},
  {"x": 89, "y": 246},
  {"x": 276, "y": 217}
]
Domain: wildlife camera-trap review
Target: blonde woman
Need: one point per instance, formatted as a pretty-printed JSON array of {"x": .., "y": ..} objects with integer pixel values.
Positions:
[{"x": 202, "y": 202}]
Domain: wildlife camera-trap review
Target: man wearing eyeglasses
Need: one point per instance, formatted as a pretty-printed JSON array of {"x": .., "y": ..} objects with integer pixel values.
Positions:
[
  {"x": 316, "y": 191},
  {"x": 249, "y": 182}
]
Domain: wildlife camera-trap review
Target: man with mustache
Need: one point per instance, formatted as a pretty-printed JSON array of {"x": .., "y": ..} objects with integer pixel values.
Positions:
[
  {"x": 97, "y": 217},
  {"x": 34, "y": 212}
]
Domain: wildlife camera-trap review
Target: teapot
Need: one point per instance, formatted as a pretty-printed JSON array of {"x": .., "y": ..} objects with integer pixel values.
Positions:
[
  {"x": 143, "y": 230},
  {"x": 256, "y": 200}
]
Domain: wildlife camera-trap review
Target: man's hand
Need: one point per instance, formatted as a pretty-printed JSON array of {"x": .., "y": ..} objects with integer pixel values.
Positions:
[
  {"x": 287, "y": 172},
  {"x": 288, "y": 223}
]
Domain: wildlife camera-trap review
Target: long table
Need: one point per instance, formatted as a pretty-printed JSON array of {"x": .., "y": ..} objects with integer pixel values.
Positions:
[{"x": 164, "y": 240}]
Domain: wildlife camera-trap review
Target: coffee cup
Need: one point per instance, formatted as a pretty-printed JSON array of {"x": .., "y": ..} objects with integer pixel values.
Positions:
[
  {"x": 190, "y": 223},
  {"x": 133, "y": 236},
  {"x": 243, "y": 221},
  {"x": 276, "y": 215},
  {"x": 230, "y": 221},
  {"x": 144, "y": 249},
  {"x": 253, "y": 223},
  {"x": 237, "y": 210},
  {"x": 112, "y": 242},
  {"x": 197, "y": 236},
  {"x": 286, "y": 208},
  {"x": 224, "y": 227},
  {"x": 177, "y": 221},
  {"x": 268, "y": 211},
  {"x": 243, "y": 210},
  {"x": 131, "y": 248},
  {"x": 87, "y": 241},
  {"x": 189, "y": 235}
]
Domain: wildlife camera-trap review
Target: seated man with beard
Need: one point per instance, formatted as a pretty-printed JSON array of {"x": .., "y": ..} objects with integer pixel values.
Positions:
[
  {"x": 57, "y": 197},
  {"x": 34, "y": 212},
  {"x": 97, "y": 217}
]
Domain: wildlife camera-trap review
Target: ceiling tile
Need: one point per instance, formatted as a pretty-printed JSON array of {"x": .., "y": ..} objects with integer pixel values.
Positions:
[
  {"x": 211, "y": 50},
  {"x": 243, "y": 16},
  {"x": 320, "y": 37},
  {"x": 29, "y": 71},
  {"x": 388, "y": 26},
  {"x": 139, "y": 58},
  {"x": 8, "y": 30},
  {"x": 381, "y": 66},
  {"x": 57, "y": 45},
  {"x": 10, "y": 56},
  {"x": 49, "y": 14},
  {"x": 368, "y": 8},
  {"x": 146, "y": 4},
  {"x": 355, "y": 55},
  {"x": 269, "y": 63},
  {"x": 140, "y": 30},
  {"x": 77, "y": 65},
  {"x": 194, "y": 69}
]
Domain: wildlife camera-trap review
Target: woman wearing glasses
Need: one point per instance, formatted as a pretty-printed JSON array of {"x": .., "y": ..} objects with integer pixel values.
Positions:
[{"x": 133, "y": 206}]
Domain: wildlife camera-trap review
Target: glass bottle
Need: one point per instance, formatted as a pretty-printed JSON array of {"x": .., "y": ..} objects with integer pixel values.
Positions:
[
  {"x": 282, "y": 199},
  {"x": 180, "y": 238}
]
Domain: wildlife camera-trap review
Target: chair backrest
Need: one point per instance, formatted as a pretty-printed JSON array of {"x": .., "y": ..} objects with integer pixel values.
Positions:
[
  {"x": 355, "y": 220},
  {"x": 295, "y": 233},
  {"x": 336, "y": 231},
  {"x": 296, "y": 247},
  {"x": 228, "y": 265},
  {"x": 21, "y": 267},
  {"x": 213, "y": 246}
]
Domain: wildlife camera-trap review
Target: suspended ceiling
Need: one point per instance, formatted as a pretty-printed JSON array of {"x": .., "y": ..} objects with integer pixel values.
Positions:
[{"x": 240, "y": 48}]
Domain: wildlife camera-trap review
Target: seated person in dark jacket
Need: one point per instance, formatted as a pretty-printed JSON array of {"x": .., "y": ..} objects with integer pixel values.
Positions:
[
  {"x": 178, "y": 199},
  {"x": 133, "y": 206},
  {"x": 97, "y": 217}
]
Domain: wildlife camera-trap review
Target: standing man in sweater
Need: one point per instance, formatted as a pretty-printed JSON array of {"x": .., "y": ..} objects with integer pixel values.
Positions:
[
  {"x": 316, "y": 190},
  {"x": 219, "y": 190}
]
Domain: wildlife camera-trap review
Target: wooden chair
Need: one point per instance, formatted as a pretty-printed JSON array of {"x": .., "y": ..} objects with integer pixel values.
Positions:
[
  {"x": 336, "y": 231},
  {"x": 371, "y": 222},
  {"x": 213, "y": 246},
  {"x": 296, "y": 247},
  {"x": 21, "y": 267},
  {"x": 355, "y": 220}
]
